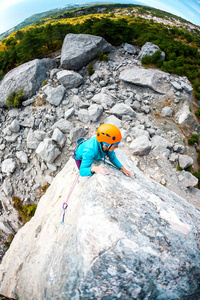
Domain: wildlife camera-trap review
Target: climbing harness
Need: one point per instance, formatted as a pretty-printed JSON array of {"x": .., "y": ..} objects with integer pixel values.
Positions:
[{"x": 65, "y": 204}]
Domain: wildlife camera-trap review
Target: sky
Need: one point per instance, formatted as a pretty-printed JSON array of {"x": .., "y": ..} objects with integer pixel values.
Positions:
[{"x": 13, "y": 12}]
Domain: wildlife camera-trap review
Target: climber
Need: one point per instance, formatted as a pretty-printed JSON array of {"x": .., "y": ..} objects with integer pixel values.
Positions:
[{"x": 103, "y": 144}]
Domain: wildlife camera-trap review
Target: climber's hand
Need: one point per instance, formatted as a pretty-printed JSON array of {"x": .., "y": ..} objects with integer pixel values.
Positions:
[
  {"x": 126, "y": 172},
  {"x": 99, "y": 169}
]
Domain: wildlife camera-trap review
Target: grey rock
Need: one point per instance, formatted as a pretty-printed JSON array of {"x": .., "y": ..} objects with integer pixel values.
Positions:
[
  {"x": 131, "y": 49},
  {"x": 28, "y": 122},
  {"x": 53, "y": 73},
  {"x": 79, "y": 49},
  {"x": 14, "y": 126},
  {"x": 95, "y": 111},
  {"x": 76, "y": 133},
  {"x": 176, "y": 85},
  {"x": 114, "y": 121},
  {"x": 7, "y": 187},
  {"x": 179, "y": 148},
  {"x": 173, "y": 157},
  {"x": 69, "y": 79},
  {"x": 183, "y": 114},
  {"x": 32, "y": 141},
  {"x": 28, "y": 102},
  {"x": 64, "y": 125},
  {"x": 149, "y": 49},
  {"x": 8, "y": 166},
  {"x": 186, "y": 85},
  {"x": 55, "y": 95},
  {"x": 12, "y": 138},
  {"x": 28, "y": 76},
  {"x": 22, "y": 156},
  {"x": 136, "y": 105},
  {"x": 69, "y": 113},
  {"x": 185, "y": 161},
  {"x": 103, "y": 99},
  {"x": 13, "y": 113},
  {"x": 167, "y": 111},
  {"x": 127, "y": 232},
  {"x": 136, "y": 132},
  {"x": 39, "y": 135},
  {"x": 48, "y": 151},
  {"x": 121, "y": 109},
  {"x": 151, "y": 78},
  {"x": 83, "y": 116},
  {"x": 141, "y": 146},
  {"x": 187, "y": 180},
  {"x": 161, "y": 146},
  {"x": 146, "y": 109},
  {"x": 58, "y": 137}
]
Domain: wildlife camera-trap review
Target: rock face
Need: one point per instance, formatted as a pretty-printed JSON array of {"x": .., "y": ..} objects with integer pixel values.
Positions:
[
  {"x": 153, "y": 79},
  {"x": 122, "y": 239},
  {"x": 79, "y": 49},
  {"x": 28, "y": 76}
]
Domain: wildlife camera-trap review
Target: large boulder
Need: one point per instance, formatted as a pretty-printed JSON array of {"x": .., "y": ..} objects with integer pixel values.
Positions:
[
  {"x": 69, "y": 79},
  {"x": 121, "y": 109},
  {"x": 55, "y": 95},
  {"x": 160, "y": 146},
  {"x": 141, "y": 145},
  {"x": 28, "y": 76},
  {"x": 150, "y": 78},
  {"x": 121, "y": 239},
  {"x": 79, "y": 49},
  {"x": 149, "y": 49}
]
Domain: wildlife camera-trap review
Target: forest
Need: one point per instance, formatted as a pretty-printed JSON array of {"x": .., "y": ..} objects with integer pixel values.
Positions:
[{"x": 41, "y": 40}]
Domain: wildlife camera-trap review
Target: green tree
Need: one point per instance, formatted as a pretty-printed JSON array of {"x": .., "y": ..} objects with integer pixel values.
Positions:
[
  {"x": 30, "y": 46},
  {"x": 19, "y": 35}
]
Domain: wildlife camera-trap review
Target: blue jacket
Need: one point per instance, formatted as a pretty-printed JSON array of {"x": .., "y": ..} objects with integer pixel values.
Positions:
[{"x": 91, "y": 150}]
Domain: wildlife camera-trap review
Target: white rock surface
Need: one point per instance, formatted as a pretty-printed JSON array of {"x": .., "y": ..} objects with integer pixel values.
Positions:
[{"x": 115, "y": 230}]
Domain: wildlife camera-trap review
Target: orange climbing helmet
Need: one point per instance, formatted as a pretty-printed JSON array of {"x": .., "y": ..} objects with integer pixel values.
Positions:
[{"x": 108, "y": 134}]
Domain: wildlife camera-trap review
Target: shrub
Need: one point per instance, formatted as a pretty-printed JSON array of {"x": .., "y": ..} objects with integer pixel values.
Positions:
[
  {"x": 197, "y": 112},
  {"x": 44, "y": 82},
  {"x": 153, "y": 59},
  {"x": 25, "y": 212},
  {"x": 102, "y": 57},
  {"x": 193, "y": 139},
  {"x": 90, "y": 69},
  {"x": 9, "y": 240},
  {"x": 179, "y": 168},
  {"x": 197, "y": 175},
  {"x": 15, "y": 99},
  {"x": 1, "y": 74},
  {"x": 198, "y": 155}
]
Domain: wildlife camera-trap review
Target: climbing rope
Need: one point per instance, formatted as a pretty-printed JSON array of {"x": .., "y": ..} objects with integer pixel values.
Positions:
[{"x": 65, "y": 204}]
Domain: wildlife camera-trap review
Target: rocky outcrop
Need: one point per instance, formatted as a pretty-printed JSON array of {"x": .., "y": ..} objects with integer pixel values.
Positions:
[
  {"x": 37, "y": 140},
  {"x": 79, "y": 49},
  {"x": 122, "y": 239},
  {"x": 28, "y": 76},
  {"x": 156, "y": 80},
  {"x": 149, "y": 49}
]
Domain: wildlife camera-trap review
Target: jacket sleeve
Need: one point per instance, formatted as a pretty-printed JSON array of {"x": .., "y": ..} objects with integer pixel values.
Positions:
[
  {"x": 114, "y": 160},
  {"x": 87, "y": 160}
]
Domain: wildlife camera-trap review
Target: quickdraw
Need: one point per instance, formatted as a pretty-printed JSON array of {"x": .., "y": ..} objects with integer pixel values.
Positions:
[{"x": 65, "y": 204}]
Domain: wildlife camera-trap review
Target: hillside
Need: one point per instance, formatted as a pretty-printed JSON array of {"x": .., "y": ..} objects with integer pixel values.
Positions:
[
  {"x": 117, "y": 23},
  {"x": 42, "y": 16},
  {"x": 74, "y": 10}
]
